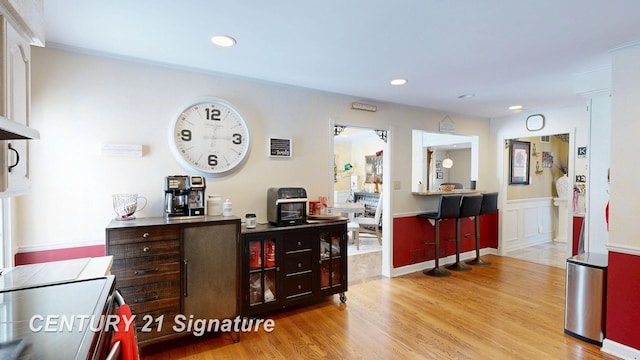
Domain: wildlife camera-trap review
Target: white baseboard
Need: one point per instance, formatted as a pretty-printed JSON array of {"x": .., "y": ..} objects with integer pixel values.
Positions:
[
  {"x": 620, "y": 350},
  {"x": 446, "y": 260}
]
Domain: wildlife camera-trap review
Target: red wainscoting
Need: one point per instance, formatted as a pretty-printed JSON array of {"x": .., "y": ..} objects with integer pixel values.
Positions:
[
  {"x": 577, "y": 228},
  {"x": 623, "y": 294},
  {"x": 59, "y": 254},
  {"x": 410, "y": 234}
]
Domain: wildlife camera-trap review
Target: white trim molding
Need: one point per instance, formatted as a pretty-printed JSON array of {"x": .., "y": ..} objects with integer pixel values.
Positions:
[
  {"x": 624, "y": 249},
  {"x": 63, "y": 246},
  {"x": 619, "y": 350}
]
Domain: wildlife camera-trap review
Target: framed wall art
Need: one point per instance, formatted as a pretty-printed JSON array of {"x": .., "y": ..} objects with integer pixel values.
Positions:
[
  {"x": 547, "y": 159},
  {"x": 519, "y": 157}
]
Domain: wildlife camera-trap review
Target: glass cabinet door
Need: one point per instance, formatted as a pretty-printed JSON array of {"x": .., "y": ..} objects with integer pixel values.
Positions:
[
  {"x": 262, "y": 271},
  {"x": 330, "y": 259}
]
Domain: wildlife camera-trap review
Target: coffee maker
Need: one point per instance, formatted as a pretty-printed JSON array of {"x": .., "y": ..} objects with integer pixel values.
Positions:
[
  {"x": 183, "y": 196},
  {"x": 176, "y": 196},
  {"x": 196, "y": 195}
]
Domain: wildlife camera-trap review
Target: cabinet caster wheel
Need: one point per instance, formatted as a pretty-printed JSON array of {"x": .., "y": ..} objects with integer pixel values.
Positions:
[{"x": 343, "y": 298}]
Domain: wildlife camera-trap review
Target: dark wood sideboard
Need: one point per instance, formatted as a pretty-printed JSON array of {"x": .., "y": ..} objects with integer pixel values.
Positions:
[
  {"x": 285, "y": 266},
  {"x": 168, "y": 268}
]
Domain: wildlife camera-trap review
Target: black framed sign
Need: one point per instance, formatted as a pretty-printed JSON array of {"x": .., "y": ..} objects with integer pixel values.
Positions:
[
  {"x": 519, "y": 157},
  {"x": 279, "y": 148}
]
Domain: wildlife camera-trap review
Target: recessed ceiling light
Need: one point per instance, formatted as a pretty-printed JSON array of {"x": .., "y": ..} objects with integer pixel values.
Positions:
[
  {"x": 398, "y": 81},
  {"x": 223, "y": 40},
  {"x": 466, "y": 96},
  {"x": 515, "y": 107}
]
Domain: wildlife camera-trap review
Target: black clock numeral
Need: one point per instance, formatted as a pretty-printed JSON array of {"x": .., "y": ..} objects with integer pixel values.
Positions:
[
  {"x": 213, "y": 160},
  {"x": 185, "y": 135},
  {"x": 237, "y": 139},
  {"x": 213, "y": 114}
]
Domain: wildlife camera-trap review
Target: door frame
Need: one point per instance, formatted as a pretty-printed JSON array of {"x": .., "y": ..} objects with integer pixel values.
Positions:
[{"x": 387, "y": 226}]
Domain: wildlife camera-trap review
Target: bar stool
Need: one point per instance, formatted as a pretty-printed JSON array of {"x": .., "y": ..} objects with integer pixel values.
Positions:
[
  {"x": 489, "y": 206},
  {"x": 448, "y": 208},
  {"x": 469, "y": 207}
]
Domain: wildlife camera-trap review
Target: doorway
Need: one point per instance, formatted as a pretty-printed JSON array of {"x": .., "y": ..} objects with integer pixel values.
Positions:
[
  {"x": 540, "y": 201},
  {"x": 358, "y": 163}
]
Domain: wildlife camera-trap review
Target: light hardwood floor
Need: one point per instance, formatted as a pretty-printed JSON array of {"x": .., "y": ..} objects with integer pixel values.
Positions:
[{"x": 511, "y": 310}]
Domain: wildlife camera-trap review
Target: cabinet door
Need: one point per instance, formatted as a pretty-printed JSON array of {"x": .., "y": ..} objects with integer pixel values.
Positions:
[
  {"x": 210, "y": 271},
  {"x": 333, "y": 255},
  {"x": 16, "y": 107},
  {"x": 262, "y": 264}
]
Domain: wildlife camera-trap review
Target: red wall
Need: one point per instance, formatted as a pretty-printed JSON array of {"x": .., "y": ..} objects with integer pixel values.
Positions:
[
  {"x": 623, "y": 299},
  {"x": 577, "y": 227},
  {"x": 410, "y": 234},
  {"x": 59, "y": 254}
]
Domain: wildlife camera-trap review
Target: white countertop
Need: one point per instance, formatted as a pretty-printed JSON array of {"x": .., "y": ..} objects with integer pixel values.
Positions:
[{"x": 24, "y": 276}]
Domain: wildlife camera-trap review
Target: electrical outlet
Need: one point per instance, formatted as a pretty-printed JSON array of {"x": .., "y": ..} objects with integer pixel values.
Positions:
[{"x": 396, "y": 185}]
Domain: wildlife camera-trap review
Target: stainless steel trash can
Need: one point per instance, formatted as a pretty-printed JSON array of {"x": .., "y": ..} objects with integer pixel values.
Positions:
[{"x": 585, "y": 306}]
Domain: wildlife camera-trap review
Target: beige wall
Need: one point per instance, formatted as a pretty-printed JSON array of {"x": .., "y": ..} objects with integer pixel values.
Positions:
[
  {"x": 81, "y": 101},
  {"x": 542, "y": 182}
]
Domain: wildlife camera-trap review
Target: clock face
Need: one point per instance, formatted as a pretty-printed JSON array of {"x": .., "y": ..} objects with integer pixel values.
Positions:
[{"x": 211, "y": 137}]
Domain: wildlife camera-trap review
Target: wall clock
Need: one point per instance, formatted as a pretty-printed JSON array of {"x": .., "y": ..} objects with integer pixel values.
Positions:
[{"x": 210, "y": 137}]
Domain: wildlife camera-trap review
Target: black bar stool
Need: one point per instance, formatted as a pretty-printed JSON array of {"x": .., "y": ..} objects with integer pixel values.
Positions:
[
  {"x": 469, "y": 206},
  {"x": 489, "y": 206},
  {"x": 448, "y": 208}
]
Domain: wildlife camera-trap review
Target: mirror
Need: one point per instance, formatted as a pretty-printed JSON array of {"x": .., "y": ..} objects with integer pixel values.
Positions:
[{"x": 429, "y": 152}]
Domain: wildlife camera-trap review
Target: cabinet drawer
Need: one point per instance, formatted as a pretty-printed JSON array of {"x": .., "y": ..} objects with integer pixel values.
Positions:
[
  {"x": 150, "y": 326},
  {"x": 152, "y": 296},
  {"x": 300, "y": 243},
  {"x": 152, "y": 233},
  {"x": 146, "y": 273},
  {"x": 145, "y": 248},
  {"x": 298, "y": 285},
  {"x": 297, "y": 263}
]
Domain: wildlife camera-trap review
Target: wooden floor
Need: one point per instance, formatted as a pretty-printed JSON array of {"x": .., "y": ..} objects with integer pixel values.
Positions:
[{"x": 511, "y": 310}]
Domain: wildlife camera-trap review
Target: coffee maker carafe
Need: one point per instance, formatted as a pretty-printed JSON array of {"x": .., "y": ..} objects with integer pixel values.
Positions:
[
  {"x": 196, "y": 195},
  {"x": 176, "y": 196}
]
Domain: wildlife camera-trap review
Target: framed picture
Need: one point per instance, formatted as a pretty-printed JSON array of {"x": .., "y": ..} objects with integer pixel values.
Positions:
[
  {"x": 280, "y": 148},
  {"x": 439, "y": 175},
  {"x": 438, "y": 165},
  {"x": 547, "y": 159},
  {"x": 519, "y": 157}
]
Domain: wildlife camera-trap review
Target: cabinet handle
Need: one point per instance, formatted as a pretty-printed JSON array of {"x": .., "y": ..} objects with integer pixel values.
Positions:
[
  {"x": 145, "y": 235},
  {"x": 17, "y": 157},
  {"x": 299, "y": 243},
  {"x": 146, "y": 271},
  {"x": 145, "y": 299},
  {"x": 146, "y": 248},
  {"x": 299, "y": 287},
  {"x": 299, "y": 265},
  {"x": 184, "y": 268}
]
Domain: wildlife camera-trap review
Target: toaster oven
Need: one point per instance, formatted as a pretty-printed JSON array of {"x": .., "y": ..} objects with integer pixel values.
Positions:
[{"x": 287, "y": 206}]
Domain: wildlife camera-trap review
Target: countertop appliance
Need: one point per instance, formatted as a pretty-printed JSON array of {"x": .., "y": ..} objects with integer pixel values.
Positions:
[
  {"x": 287, "y": 206},
  {"x": 197, "y": 185},
  {"x": 586, "y": 296},
  {"x": 184, "y": 196}
]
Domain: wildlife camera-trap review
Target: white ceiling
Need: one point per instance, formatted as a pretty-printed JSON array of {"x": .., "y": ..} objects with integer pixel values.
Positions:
[{"x": 505, "y": 52}]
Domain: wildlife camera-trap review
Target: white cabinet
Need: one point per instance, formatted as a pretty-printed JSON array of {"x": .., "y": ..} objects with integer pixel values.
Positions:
[{"x": 15, "y": 106}]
